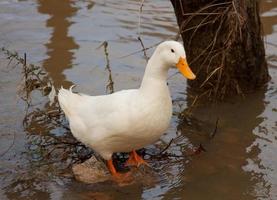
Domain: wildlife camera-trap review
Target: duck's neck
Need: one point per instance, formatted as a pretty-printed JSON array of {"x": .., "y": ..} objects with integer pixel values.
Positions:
[{"x": 155, "y": 74}]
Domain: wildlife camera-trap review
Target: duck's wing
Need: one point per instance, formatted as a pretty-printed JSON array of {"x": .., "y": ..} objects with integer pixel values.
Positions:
[{"x": 93, "y": 109}]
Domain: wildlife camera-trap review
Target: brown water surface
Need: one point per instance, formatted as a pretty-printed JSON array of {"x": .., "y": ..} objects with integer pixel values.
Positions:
[{"x": 64, "y": 37}]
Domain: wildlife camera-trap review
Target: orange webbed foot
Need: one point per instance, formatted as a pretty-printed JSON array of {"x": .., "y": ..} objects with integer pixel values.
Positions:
[
  {"x": 121, "y": 178},
  {"x": 135, "y": 160}
]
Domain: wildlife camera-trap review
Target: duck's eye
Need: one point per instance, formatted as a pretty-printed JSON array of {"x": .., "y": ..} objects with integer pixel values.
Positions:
[{"x": 172, "y": 51}]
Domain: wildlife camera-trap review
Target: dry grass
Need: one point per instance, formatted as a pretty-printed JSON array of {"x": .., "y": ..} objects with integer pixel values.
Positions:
[
  {"x": 40, "y": 121},
  {"x": 228, "y": 23}
]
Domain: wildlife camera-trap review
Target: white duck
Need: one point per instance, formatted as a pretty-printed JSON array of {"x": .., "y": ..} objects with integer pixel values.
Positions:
[{"x": 129, "y": 119}]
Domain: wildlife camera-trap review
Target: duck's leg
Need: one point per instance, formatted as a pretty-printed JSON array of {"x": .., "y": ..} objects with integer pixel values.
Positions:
[
  {"x": 113, "y": 171},
  {"x": 111, "y": 167},
  {"x": 135, "y": 160}
]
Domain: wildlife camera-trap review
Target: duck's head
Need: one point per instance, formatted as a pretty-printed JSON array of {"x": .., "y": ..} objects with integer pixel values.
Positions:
[{"x": 173, "y": 54}]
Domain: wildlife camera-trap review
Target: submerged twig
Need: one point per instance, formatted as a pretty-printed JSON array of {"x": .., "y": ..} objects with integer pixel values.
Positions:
[
  {"x": 270, "y": 43},
  {"x": 162, "y": 151},
  {"x": 198, "y": 150},
  {"x": 26, "y": 77},
  {"x": 215, "y": 129},
  {"x": 10, "y": 146}
]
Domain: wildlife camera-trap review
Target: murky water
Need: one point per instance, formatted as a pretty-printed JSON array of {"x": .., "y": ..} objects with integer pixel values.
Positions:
[{"x": 64, "y": 37}]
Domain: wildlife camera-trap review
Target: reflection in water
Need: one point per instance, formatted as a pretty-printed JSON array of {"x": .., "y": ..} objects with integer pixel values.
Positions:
[
  {"x": 16, "y": 190},
  {"x": 219, "y": 172},
  {"x": 60, "y": 45},
  {"x": 269, "y": 19},
  {"x": 262, "y": 164}
]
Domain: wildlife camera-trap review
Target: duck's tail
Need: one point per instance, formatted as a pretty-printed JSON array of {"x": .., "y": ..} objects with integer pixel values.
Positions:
[{"x": 66, "y": 98}]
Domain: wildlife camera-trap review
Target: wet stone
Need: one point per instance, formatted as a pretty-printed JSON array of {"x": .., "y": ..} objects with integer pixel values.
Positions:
[{"x": 93, "y": 171}]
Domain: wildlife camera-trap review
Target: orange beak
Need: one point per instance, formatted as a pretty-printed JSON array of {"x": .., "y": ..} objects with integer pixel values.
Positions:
[{"x": 183, "y": 66}]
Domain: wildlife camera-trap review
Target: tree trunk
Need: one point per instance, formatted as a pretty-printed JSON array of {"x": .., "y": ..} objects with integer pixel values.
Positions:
[{"x": 224, "y": 45}]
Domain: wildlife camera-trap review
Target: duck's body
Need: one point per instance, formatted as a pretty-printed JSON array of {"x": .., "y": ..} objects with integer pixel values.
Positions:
[
  {"x": 119, "y": 122},
  {"x": 128, "y": 119}
]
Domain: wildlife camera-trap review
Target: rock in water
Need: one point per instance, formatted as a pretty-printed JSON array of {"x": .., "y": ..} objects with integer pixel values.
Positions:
[
  {"x": 94, "y": 171},
  {"x": 91, "y": 171}
]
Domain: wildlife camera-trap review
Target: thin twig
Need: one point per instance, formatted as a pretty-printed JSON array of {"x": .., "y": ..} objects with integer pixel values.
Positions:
[
  {"x": 167, "y": 146},
  {"x": 110, "y": 84},
  {"x": 215, "y": 129},
  {"x": 139, "y": 51},
  {"x": 139, "y": 31},
  {"x": 139, "y": 21},
  {"x": 270, "y": 43},
  {"x": 210, "y": 75},
  {"x": 143, "y": 48},
  {"x": 11, "y": 145}
]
